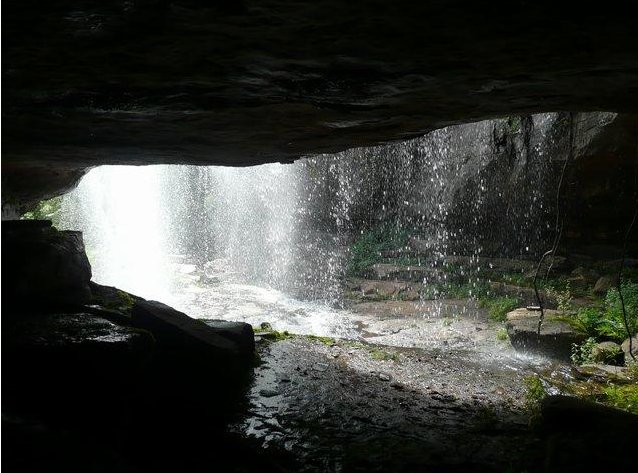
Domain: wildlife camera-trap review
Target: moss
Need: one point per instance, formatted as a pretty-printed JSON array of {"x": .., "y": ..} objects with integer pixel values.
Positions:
[
  {"x": 328, "y": 341},
  {"x": 383, "y": 355},
  {"x": 513, "y": 125},
  {"x": 126, "y": 299},
  {"x": 270, "y": 334},
  {"x": 376, "y": 352}
]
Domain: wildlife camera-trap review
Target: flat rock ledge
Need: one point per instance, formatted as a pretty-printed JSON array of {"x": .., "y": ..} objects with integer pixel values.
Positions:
[{"x": 554, "y": 341}]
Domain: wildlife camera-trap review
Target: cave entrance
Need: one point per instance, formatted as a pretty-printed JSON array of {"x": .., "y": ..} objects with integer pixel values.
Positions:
[{"x": 388, "y": 287}]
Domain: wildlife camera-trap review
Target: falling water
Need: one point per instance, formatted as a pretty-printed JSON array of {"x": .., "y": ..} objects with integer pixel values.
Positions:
[
  {"x": 119, "y": 210},
  {"x": 270, "y": 242}
]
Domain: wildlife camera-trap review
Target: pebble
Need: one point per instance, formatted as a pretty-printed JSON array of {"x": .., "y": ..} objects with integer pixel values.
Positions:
[
  {"x": 385, "y": 377},
  {"x": 268, "y": 392}
]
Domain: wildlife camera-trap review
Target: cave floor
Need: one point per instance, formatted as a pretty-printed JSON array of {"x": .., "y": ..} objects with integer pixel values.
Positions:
[{"x": 344, "y": 405}]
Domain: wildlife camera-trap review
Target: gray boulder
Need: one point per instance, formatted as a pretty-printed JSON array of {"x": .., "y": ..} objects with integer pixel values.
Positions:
[
  {"x": 608, "y": 353},
  {"x": 43, "y": 266},
  {"x": 580, "y": 436},
  {"x": 178, "y": 333},
  {"x": 604, "y": 284},
  {"x": 554, "y": 341},
  {"x": 634, "y": 347}
]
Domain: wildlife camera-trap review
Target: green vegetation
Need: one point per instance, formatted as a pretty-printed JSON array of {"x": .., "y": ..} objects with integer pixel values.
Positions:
[
  {"x": 534, "y": 394},
  {"x": 271, "y": 334},
  {"x": 367, "y": 249},
  {"x": 455, "y": 291},
  {"x": 383, "y": 355},
  {"x": 564, "y": 297},
  {"x": 612, "y": 324},
  {"x": 583, "y": 353},
  {"x": 126, "y": 299},
  {"x": 606, "y": 320},
  {"x": 44, "y": 210},
  {"x": 513, "y": 124},
  {"x": 501, "y": 334},
  {"x": 328, "y": 341},
  {"x": 498, "y": 307},
  {"x": 623, "y": 397},
  {"x": 377, "y": 352},
  {"x": 122, "y": 301}
]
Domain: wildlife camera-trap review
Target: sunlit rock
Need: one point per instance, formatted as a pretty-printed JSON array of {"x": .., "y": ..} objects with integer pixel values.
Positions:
[
  {"x": 634, "y": 347},
  {"x": 608, "y": 353},
  {"x": 555, "y": 339}
]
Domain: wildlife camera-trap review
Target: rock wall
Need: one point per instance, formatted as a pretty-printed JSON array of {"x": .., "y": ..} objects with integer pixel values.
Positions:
[{"x": 490, "y": 185}]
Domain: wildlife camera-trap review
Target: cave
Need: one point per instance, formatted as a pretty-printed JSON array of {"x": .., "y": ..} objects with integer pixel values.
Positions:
[{"x": 319, "y": 236}]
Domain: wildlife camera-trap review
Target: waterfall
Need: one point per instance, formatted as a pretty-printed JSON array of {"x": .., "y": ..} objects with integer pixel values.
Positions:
[
  {"x": 119, "y": 210},
  {"x": 230, "y": 242}
]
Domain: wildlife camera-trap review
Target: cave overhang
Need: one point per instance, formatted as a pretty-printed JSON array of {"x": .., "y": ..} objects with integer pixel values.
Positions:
[{"x": 243, "y": 83}]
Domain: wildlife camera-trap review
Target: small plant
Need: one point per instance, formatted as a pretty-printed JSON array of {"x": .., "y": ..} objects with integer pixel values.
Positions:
[
  {"x": 612, "y": 324},
  {"x": 499, "y": 307},
  {"x": 534, "y": 394},
  {"x": 564, "y": 297},
  {"x": 501, "y": 334},
  {"x": 271, "y": 334},
  {"x": 623, "y": 397},
  {"x": 587, "y": 320},
  {"x": 583, "y": 353}
]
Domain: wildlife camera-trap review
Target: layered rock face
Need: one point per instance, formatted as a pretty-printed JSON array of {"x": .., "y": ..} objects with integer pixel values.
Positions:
[
  {"x": 492, "y": 185},
  {"x": 142, "y": 82}
]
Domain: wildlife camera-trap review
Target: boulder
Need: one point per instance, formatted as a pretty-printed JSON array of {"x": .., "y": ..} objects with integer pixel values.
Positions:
[
  {"x": 525, "y": 294},
  {"x": 556, "y": 337},
  {"x": 177, "y": 333},
  {"x": 583, "y": 277},
  {"x": 604, "y": 283},
  {"x": 43, "y": 266},
  {"x": 584, "y": 436},
  {"x": 64, "y": 364},
  {"x": 634, "y": 347},
  {"x": 239, "y": 332},
  {"x": 608, "y": 353}
]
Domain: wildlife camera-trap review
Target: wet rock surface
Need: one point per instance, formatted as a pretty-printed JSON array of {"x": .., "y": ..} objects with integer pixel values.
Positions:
[
  {"x": 175, "y": 331},
  {"x": 344, "y": 408},
  {"x": 555, "y": 339},
  {"x": 43, "y": 266}
]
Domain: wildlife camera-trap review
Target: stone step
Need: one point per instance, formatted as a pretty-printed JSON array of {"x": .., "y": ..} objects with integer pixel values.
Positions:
[
  {"x": 555, "y": 339},
  {"x": 394, "y": 272},
  {"x": 385, "y": 289}
]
